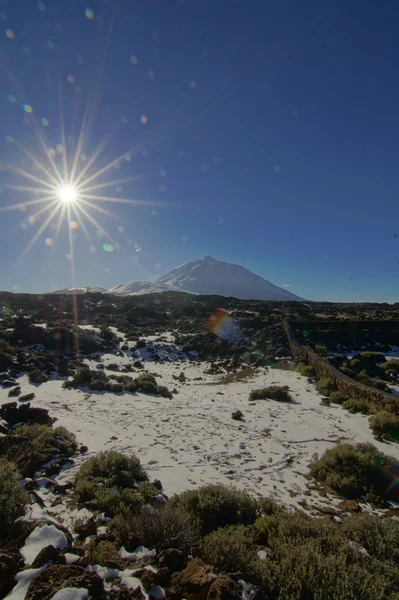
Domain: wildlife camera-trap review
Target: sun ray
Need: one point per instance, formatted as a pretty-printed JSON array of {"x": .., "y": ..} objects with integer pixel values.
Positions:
[
  {"x": 37, "y": 162},
  {"x": 24, "y": 188},
  {"x": 82, "y": 225},
  {"x": 121, "y": 200},
  {"x": 106, "y": 168},
  {"x": 19, "y": 205},
  {"x": 107, "y": 183},
  {"x": 63, "y": 136},
  {"x": 99, "y": 209},
  {"x": 41, "y": 229},
  {"x": 97, "y": 225},
  {"x": 28, "y": 175},
  {"x": 59, "y": 222},
  {"x": 90, "y": 162},
  {"x": 48, "y": 155}
]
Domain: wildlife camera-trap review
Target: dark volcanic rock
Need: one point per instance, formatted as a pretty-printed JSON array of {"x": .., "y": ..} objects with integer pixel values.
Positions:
[{"x": 57, "y": 577}]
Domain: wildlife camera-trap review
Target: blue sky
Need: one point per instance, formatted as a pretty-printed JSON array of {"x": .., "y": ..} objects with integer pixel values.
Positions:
[{"x": 265, "y": 134}]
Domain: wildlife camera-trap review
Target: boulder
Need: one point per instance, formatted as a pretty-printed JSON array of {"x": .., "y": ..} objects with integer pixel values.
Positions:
[
  {"x": 237, "y": 415},
  {"x": 15, "y": 391},
  {"x": 172, "y": 559},
  {"x": 27, "y": 397},
  {"x": 193, "y": 583},
  {"x": 24, "y": 413},
  {"x": 225, "y": 588},
  {"x": 48, "y": 554},
  {"x": 349, "y": 506},
  {"x": 8, "y": 568},
  {"x": 57, "y": 577},
  {"x": 151, "y": 578}
]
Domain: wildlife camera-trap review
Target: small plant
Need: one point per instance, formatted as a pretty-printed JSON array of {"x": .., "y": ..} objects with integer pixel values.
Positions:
[
  {"x": 358, "y": 406},
  {"x": 354, "y": 471},
  {"x": 214, "y": 506},
  {"x": 161, "y": 527},
  {"x": 326, "y": 386},
  {"x": 273, "y": 392},
  {"x": 305, "y": 370},
  {"x": 37, "y": 444},
  {"x": 230, "y": 549},
  {"x": 103, "y": 553},
  {"x": 12, "y": 498},
  {"x": 112, "y": 469},
  {"x": 283, "y": 352},
  {"x": 321, "y": 350},
  {"x": 390, "y": 365},
  {"x": 338, "y": 397},
  {"x": 385, "y": 425},
  {"x": 37, "y": 376}
]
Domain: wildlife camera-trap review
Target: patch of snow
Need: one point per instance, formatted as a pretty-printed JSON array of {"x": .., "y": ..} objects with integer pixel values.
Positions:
[
  {"x": 140, "y": 552},
  {"x": 42, "y": 536},
  {"x": 71, "y": 558},
  {"x": 23, "y": 579},
  {"x": 71, "y": 593}
]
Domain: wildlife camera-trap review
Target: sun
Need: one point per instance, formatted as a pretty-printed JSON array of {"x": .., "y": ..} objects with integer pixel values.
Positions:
[{"x": 67, "y": 194}]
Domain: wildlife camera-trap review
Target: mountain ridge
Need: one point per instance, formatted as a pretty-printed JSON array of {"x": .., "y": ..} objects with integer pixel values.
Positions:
[{"x": 208, "y": 276}]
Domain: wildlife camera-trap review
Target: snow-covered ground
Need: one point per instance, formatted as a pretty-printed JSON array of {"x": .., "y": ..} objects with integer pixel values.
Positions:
[{"x": 192, "y": 440}]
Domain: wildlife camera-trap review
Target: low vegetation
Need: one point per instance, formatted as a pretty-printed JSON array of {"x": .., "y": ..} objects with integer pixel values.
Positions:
[
  {"x": 385, "y": 425},
  {"x": 326, "y": 386},
  {"x": 305, "y": 370},
  {"x": 273, "y": 392},
  {"x": 357, "y": 471},
  {"x": 98, "y": 381},
  {"x": 159, "y": 526},
  {"x": 114, "y": 483},
  {"x": 358, "y": 406},
  {"x": 214, "y": 506},
  {"x": 34, "y": 445},
  {"x": 12, "y": 498}
]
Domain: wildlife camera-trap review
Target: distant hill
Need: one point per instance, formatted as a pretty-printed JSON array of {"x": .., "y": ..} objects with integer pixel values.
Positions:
[
  {"x": 81, "y": 290},
  {"x": 210, "y": 276}
]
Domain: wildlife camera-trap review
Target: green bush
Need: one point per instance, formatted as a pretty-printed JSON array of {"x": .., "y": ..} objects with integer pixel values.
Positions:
[
  {"x": 321, "y": 350},
  {"x": 283, "y": 352},
  {"x": 390, "y": 365},
  {"x": 358, "y": 406},
  {"x": 354, "y": 471},
  {"x": 168, "y": 526},
  {"x": 214, "y": 506},
  {"x": 385, "y": 425},
  {"x": 103, "y": 553},
  {"x": 37, "y": 376},
  {"x": 39, "y": 444},
  {"x": 326, "y": 386},
  {"x": 111, "y": 469},
  {"x": 273, "y": 392},
  {"x": 305, "y": 370},
  {"x": 230, "y": 549},
  {"x": 12, "y": 498},
  {"x": 337, "y": 397},
  {"x": 380, "y": 537},
  {"x": 373, "y": 357}
]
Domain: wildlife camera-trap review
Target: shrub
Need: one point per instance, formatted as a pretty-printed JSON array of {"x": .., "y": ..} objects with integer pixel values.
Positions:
[
  {"x": 37, "y": 376},
  {"x": 214, "y": 506},
  {"x": 378, "y": 536},
  {"x": 39, "y": 444},
  {"x": 273, "y": 392},
  {"x": 373, "y": 357},
  {"x": 385, "y": 425},
  {"x": 112, "y": 469},
  {"x": 390, "y": 365},
  {"x": 230, "y": 549},
  {"x": 103, "y": 553},
  {"x": 358, "y": 406},
  {"x": 12, "y": 498},
  {"x": 305, "y": 370},
  {"x": 355, "y": 471},
  {"x": 321, "y": 350},
  {"x": 161, "y": 527},
  {"x": 283, "y": 352},
  {"x": 325, "y": 386},
  {"x": 338, "y": 397}
]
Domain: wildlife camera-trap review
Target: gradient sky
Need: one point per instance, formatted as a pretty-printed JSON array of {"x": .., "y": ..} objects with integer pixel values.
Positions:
[{"x": 261, "y": 133}]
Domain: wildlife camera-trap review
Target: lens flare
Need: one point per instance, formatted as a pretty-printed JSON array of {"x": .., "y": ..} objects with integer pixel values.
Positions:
[
  {"x": 224, "y": 326},
  {"x": 67, "y": 194}
]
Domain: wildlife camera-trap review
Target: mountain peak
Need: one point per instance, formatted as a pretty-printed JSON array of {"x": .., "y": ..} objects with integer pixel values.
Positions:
[{"x": 209, "y": 275}]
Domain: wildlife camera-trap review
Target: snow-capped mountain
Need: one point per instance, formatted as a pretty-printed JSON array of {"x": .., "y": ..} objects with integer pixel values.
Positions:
[
  {"x": 210, "y": 276},
  {"x": 81, "y": 290},
  {"x": 125, "y": 289}
]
